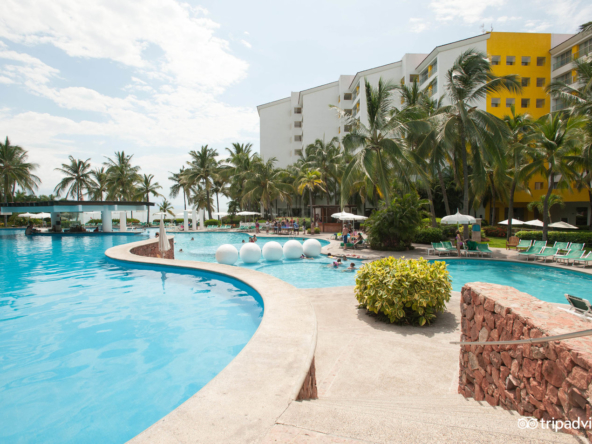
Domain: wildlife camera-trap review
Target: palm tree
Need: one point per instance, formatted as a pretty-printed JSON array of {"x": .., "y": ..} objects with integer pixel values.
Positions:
[
  {"x": 77, "y": 180},
  {"x": 539, "y": 204},
  {"x": 220, "y": 186},
  {"x": 265, "y": 184},
  {"x": 15, "y": 170},
  {"x": 166, "y": 207},
  {"x": 145, "y": 188},
  {"x": 471, "y": 131},
  {"x": 310, "y": 180},
  {"x": 121, "y": 176},
  {"x": 373, "y": 149},
  {"x": 557, "y": 146},
  {"x": 326, "y": 158},
  {"x": 202, "y": 168},
  {"x": 99, "y": 176},
  {"x": 199, "y": 198},
  {"x": 519, "y": 155},
  {"x": 180, "y": 185}
]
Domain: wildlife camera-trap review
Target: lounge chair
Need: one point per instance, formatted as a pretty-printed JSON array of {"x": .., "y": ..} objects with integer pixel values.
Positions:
[
  {"x": 578, "y": 306},
  {"x": 484, "y": 249},
  {"x": 548, "y": 252},
  {"x": 512, "y": 242},
  {"x": 561, "y": 246},
  {"x": 523, "y": 245},
  {"x": 448, "y": 245},
  {"x": 438, "y": 249},
  {"x": 584, "y": 260},
  {"x": 576, "y": 246},
  {"x": 531, "y": 251},
  {"x": 471, "y": 248},
  {"x": 571, "y": 255}
]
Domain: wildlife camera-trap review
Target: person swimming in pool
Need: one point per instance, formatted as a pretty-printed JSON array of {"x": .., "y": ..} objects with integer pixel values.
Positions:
[
  {"x": 192, "y": 239},
  {"x": 337, "y": 263},
  {"x": 352, "y": 267}
]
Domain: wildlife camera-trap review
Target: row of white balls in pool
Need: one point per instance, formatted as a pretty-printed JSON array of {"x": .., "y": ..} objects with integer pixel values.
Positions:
[{"x": 272, "y": 251}]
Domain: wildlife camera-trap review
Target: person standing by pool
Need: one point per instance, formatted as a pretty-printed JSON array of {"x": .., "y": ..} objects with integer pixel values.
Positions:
[
  {"x": 345, "y": 235},
  {"x": 296, "y": 226},
  {"x": 267, "y": 226},
  {"x": 257, "y": 227},
  {"x": 458, "y": 242}
]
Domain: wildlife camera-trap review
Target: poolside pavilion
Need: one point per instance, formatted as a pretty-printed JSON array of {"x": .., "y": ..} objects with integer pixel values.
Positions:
[{"x": 56, "y": 207}]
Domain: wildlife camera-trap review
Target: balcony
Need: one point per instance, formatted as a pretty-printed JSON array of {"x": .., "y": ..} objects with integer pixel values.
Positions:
[{"x": 562, "y": 61}]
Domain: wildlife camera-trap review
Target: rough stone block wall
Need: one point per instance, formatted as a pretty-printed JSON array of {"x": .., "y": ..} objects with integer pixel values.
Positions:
[
  {"x": 151, "y": 250},
  {"x": 309, "y": 386},
  {"x": 547, "y": 381}
]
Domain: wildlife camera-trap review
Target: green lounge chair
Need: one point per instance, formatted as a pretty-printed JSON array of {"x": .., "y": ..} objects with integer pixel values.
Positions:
[
  {"x": 576, "y": 246},
  {"x": 578, "y": 306},
  {"x": 561, "y": 246},
  {"x": 523, "y": 245},
  {"x": 438, "y": 249},
  {"x": 571, "y": 255},
  {"x": 448, "y": 245},
  {"x": 584, "y": 260},
  {"x": 471, "y": 248},
  {"x": 484, "y": 249},
  {"x": 531, "y": 251},
  {"x": 548, "y": 252}
]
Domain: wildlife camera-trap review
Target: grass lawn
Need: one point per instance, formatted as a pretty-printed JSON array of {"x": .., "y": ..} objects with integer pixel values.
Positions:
[{"x": 497, "y": 242}]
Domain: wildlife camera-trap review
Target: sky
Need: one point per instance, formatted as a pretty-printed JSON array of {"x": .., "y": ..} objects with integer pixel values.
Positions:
[{"x": 158, "y": 78}]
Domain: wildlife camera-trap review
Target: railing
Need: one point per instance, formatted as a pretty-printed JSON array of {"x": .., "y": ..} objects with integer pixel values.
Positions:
[
  {"x": 563, "y": 61},
  {"x": 423, "y": 77},
  {"x": 576, "y": 334}
]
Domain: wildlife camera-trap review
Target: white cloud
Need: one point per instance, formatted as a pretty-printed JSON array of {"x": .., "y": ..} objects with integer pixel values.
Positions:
[
  {"x": 247, "y": 33},
  {"x": 470, "y": 11},
  {"x": 417, "y": 25},
  {"x": 536, "y": 25},
  {"x": 569, "y": 14},
  {"x": 247, "y": 44}
]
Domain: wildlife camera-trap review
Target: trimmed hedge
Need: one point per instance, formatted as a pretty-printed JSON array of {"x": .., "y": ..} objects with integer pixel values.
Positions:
[
  {"x": 429, "y": 235},
  {"x": 558, "y": 236},
  {"x": 211, "y": 222},
  {"x": 406, "y": 291}
]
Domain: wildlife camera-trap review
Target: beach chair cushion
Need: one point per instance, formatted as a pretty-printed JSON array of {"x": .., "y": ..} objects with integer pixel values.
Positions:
[
  {"x": 448, "y": 245},
  {"x": 548, "y": 251},
  {"x": 484, "y": 248},
  {"x": 561, "y": 245},
  {"x": 524, "y": 244},
  {"x": 576, "y": 246}
]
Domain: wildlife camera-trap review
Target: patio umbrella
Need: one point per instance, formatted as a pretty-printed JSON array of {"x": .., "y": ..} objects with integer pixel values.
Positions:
[
  {"x": 458, "y": 219},
  {"x": 534, "y": 223},
  {"x": 563, "y": 225},
  {"x": 163, "y": 241},
  {"x": 248, "y": 213},
  {"x": 514, "y": 222},
  {"x": 342, "y": 215},
  {"x": 29, "y": 215}
]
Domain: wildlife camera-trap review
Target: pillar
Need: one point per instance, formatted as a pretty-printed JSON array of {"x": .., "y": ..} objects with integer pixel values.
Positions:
[
  {"x": 201, "y": 219},
  {"x": 107, "y": 220},
  {"x": 185, "y": 220},
  {"x": 56, "y": 222},
  {"x": 122, "y": 221},
  {"x": 194, "y": 219}
]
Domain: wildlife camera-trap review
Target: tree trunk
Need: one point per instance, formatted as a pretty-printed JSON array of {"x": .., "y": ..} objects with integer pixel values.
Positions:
[
  {"x": 590, "y": 209},
  {"x": 511, "y": 209},
  {"x": 444, "y": 193},
  {"x": 432, "y": 210},
  {"x": 492, "y": 209},
  {"x": 465, "y": 167},
  {"x": 546, "y": 206},
  {"x": 218, "y": 205},
  {"x": 311, "y": 217},
  {"x": 208, "y": 203},
  {"x": 148, "y": 210},
  {"x": 184, "y": 201}
]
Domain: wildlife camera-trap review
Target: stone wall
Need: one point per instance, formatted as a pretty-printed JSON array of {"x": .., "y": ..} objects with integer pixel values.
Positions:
[
  {"x": 151, "y": 250},
  {"x": 309, "y": 386},
  {"x": 548, "y": 380}
]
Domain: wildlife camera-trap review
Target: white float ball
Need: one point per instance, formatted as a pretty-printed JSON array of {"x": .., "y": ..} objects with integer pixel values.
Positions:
[
  {"x": 226, "y": 254},
  {"x": 312, "y": 248},
  {"x": 272, "y": 251},
  {"x": 292, "y": 249},
  {"x": 250, "y": 253}
]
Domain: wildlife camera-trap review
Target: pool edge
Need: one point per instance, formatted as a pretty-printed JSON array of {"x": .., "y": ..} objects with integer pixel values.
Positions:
[{"x": 242, "y": 402}]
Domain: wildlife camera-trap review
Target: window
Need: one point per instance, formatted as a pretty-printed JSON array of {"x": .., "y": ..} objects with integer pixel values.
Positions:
[
  {"x": 495, "y": 102},
  {"x": 297, "y": 124},
  {"x": 525, "y": 61},
  {"x": 538, "y": 185},
  {"x": 434, "y": 67},
  {"x": 347, "y": 96},
  {"x": 510, "y": 102},
  {"x": 496, "y": 60},
  {"x": 540, "y": 82},
  {"x": 414, "y": 78},
  {"x": 562, "y": 60},
  {"x": 541, "y": 61},
  {"x": 525, "y": 81},
  {"x": 347, "y": 128},
  {"x": 298, "y": 152},
  {"x": 298, "y": 138},
  {"x": 585, "y": 48},
  {"x": 297, "y": 110},
  {"x": 565, "y": 78},
  {"x": 423, "y": 77},
  {"x": 510, "y": 60},
  {"x": 347, "y": 112},
  {"x": 540, "y": 103},
  {"x": 525, "y": 103}
]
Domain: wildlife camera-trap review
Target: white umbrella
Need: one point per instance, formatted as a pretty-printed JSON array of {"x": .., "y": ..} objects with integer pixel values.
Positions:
[
  {"x": 564, "y": 225},
  {"x": 352, "y": 217},
  {"x": 458, "y": 218},
  {"x": 247, "y": 213},
  {"x": 534, "y": 223},
  {"x": 342, "y": 215},
  {"x": 514, "y": 222},
  {"x": 43, "y": 215},
  {"x": 163, "y": 241},
  {"x": 29, "y": 215}
]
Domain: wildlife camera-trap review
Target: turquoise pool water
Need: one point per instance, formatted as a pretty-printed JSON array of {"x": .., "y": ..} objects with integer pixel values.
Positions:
[
  {"x": 546, "y": 283},
  {"x": 95, "y": 351}
]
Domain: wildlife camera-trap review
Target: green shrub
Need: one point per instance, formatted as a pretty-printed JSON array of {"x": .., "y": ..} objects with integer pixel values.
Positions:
[
  {"x": 495, "y": 231},
  {"x": 394, "y": 227},
  {"x": 558, "y": 236},
  {"x": 211, "y": 222},
  {"x": 406, "y": 291},
  {"x": 317, "y": 230},
  {"x": 429, "y": 235}
]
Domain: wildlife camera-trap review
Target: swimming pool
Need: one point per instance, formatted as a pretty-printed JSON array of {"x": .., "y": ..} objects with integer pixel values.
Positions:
[
  {"x": 93, "y": 350},
  {"x": 546, "y": 283}
]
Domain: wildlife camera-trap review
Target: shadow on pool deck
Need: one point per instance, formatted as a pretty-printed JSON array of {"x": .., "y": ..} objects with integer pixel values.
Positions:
[{"x": 382, "y": 383}]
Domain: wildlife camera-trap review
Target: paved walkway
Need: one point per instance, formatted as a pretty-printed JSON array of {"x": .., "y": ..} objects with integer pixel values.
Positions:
[{"x": 381, "y": 383}]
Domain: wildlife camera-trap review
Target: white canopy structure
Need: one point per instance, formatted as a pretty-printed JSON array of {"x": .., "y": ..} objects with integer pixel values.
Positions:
[
  {"x": 563, "y": 225},
  {"x": 163, "y": 242},
  {"x": 458, "y": 219},
  {"x": 534, "y": 223},
  {"x": 248, "y": 213},
  {"x": 353, "y": 217},
  {"x": 514, "y": 222},
  {"x": 342, "y": 215}
]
